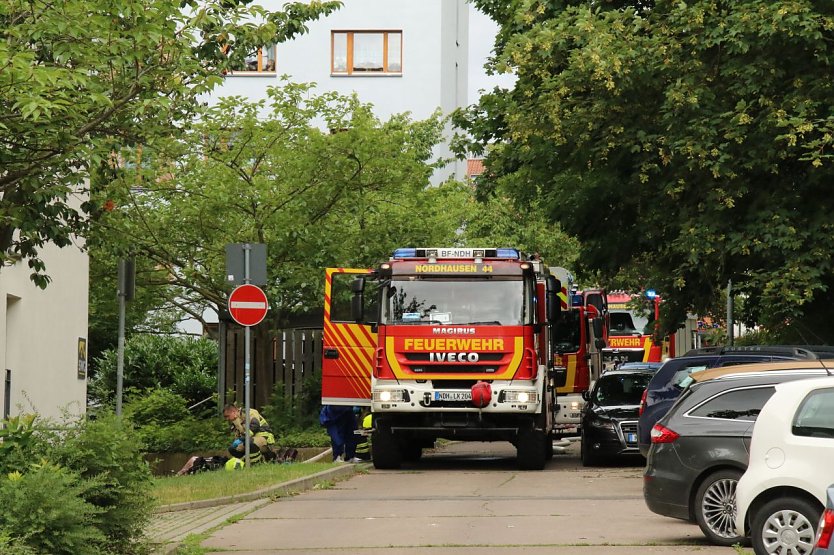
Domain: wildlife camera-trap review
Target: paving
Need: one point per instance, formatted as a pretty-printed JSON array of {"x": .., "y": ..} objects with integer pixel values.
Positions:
[
  {"x": 464, "y": 499},
  {"x": 172, "y": 524}
]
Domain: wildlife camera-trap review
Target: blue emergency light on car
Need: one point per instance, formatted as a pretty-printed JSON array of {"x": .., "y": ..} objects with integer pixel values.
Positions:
[{"x": 456, "y": 252}]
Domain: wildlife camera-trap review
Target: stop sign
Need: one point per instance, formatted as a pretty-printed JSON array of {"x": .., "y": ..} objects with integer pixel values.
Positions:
[{"x": 247, "y": 305}]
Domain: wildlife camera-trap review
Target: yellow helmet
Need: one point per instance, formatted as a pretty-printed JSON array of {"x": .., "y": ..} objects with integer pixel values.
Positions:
[
  {"x": 367, "y": 422},
  {"x": 234, "y": 463}
]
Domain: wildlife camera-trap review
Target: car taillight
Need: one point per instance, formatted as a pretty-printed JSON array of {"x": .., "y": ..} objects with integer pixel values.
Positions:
[
  {"x": 662, "y": 434},
  {"x": 826, "y": 529},
  {"x": 643, "y": 402}
]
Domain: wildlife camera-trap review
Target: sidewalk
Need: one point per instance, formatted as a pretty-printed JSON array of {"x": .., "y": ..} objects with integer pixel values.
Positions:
[{"x": 172, "y": 524}]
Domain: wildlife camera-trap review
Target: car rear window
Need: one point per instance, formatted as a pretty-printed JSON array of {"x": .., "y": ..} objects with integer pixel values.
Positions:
[
  {"x": 681, "y": 378},
  {"x": 815, "y": 417},
  {"x": 736, "y": 404}
]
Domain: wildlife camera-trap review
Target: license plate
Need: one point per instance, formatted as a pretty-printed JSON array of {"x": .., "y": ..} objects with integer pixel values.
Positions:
[
  {"x": 631, "y": 438},
  {"x": 452, "y": 395}
]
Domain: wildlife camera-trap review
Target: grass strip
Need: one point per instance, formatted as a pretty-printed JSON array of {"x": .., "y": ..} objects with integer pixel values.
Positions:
[{"x": 221, "y": 483}]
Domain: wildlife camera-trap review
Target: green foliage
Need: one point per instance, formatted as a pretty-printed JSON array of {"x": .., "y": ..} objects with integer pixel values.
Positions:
[
  {"x": 14, "y": 546},
  {"x": 106, "y": 452},
  {"x": 82, "y": 78},
  {"x": 674, "y": 142},
  {"x": 186, "y": 366},
  {"x": 265, "y": 172},
  {"x": 45, "y": 509},
  {"x": 165, "y": 424},
  {"x": 287, "y": 414},
  {"x": 311, "y": 437},
  {"x": 19, "y": 443}
]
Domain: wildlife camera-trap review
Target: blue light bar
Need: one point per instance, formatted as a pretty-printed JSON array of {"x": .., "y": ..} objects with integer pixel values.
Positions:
[
  {"x": 405, "y": 253},
  {"x": 508, "y": 253},
  {"x": 456, "y": 252}
]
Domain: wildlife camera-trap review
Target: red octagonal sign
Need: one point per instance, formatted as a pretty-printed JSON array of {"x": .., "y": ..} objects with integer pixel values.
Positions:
[{"x": 247, "y": 305}]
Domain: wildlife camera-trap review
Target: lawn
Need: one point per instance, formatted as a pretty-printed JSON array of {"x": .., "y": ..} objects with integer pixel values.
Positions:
[{"x": 221, "y": 483}]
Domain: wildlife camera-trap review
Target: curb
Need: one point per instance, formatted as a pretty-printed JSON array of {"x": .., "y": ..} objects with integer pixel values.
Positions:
[{"x": 286, "y": 488}]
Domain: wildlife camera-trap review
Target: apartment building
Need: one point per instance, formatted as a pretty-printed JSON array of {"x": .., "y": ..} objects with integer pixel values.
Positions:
[
  {"x": 43, "y": 336},
  {"x": 399, "y": 55}
]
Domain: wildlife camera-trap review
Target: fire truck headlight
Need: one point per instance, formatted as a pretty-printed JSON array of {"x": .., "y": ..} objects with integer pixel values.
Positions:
[
  {"x": 575, "y": 405},
  {"x": 511, "y": 396},
  {"x": 390, "y": 395}
]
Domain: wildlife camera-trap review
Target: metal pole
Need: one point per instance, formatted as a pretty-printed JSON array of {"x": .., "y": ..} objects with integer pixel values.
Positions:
[
  {"x": 221, "y": 366},
  {"x": 730, "y": 329},
  {"x": 247, "y": 354},
  {"x": 120, "y": 353}
]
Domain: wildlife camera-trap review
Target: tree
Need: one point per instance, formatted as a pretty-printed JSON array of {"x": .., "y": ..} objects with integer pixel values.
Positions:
[
  {"x": 81, "y": 78},
  {"x": 686, "y": 143},
  {"x": 266, "y": 172}
]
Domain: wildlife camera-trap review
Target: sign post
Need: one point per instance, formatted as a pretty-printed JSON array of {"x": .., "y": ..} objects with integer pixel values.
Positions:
[{"x": 248, "y": 306}]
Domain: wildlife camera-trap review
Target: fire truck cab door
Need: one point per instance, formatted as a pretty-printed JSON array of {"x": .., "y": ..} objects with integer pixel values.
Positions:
[{"x": 348, "y": 346}]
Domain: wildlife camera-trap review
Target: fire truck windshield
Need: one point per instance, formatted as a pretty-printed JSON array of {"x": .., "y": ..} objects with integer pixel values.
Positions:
[
  {"x": 410, "y": 300},
  {"x": 626, "y": 322}
]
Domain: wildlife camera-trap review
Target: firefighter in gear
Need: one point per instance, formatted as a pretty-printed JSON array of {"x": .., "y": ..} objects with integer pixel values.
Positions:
[
  {"x": 363, "y": 445},
  {"x": 261, "y": 442}
]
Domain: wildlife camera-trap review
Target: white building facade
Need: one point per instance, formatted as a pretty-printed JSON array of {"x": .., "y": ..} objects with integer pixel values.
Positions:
[
  {"x": 43, "y": 336},
  {"x": 399, "y": 55}
]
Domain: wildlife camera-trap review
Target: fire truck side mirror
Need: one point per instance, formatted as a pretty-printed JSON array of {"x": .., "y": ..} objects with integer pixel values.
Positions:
[
  {"x": 552, "y": 304},
  {"x": 599, "y": 336},
  {"x": 357, "y": 303}
]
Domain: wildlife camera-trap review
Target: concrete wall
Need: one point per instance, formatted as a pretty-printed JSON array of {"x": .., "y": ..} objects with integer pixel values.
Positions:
[
  {"x": 434, "y": 53},
  {"x": 39, "y": 333}
]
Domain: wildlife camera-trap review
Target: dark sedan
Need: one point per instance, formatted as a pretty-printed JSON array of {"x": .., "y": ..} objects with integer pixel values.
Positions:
[{"x": 609, "y": 419}]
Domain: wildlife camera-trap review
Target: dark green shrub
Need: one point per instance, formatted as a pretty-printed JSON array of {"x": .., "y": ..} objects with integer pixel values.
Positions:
[
  {"x": 311, "y": 437},
  {"x": 107, "y": 452},
  {"x": 286, "y": 415},
  {"x": 165, "y": 425},
  {"x": 45, "y": 509},
  {"x": 184, "y": 365}
]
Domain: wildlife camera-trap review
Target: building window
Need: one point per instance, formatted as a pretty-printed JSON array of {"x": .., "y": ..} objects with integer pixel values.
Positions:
[
  {"x": 366, "y": 52},
  {"x": 262, "y": 60}
]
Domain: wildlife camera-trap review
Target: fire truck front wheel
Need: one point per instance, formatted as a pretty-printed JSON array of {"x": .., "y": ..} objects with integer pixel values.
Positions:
[
  {"x": 531, "y": 449},
  {"x": 385, "y": 448}
]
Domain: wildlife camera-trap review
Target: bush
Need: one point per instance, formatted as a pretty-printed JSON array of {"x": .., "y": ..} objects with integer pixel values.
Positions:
[
  {"x": 312, "y": 437},
  {"x": 286, "y": 415},
  {"x": 165, "y": 425},
  {"x": 45, "y": 510},
  {"x": 20, "y": 444},
  {"x": 106, "y": 452},
  {"x": 184, "y": 365}
]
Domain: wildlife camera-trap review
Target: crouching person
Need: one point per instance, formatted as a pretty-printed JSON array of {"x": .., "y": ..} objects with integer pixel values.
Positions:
[{"x": 261, "y": 439}]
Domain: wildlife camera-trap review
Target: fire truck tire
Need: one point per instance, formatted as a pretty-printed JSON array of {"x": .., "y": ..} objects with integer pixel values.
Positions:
[
  {"x": 385, "y": 449},
  {"x": 412, "y": 452},
  {"x": 531, "y": 449},
  {"x": 548, "y": 447}
]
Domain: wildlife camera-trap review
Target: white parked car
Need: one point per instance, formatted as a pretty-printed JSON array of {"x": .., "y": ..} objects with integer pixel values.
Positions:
[{"x": 782, "y": 494}]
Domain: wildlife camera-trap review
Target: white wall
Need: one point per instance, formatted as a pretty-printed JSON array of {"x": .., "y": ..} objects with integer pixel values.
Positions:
[
  {"x": 434, "y": 51},
  {"x": 39, "y": 332}
]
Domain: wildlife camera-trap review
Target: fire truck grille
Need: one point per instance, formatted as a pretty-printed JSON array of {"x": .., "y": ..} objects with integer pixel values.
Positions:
[
  {"x": 483, "y": 357},
  {"x": 454, "y": 369}
]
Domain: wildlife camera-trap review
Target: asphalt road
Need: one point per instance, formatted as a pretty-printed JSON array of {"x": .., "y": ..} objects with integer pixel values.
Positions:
[{"x": 469, "y": 498}]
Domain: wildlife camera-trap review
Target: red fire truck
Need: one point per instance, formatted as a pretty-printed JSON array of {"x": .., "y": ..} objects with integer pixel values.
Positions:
[
  {"x": 630, "y": 334},
  {"x": 581, "y": 335},
  {"x": 445, "y": 343}
]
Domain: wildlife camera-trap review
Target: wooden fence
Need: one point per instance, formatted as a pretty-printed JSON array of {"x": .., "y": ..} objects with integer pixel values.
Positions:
[{"x": 277, "y": 356}]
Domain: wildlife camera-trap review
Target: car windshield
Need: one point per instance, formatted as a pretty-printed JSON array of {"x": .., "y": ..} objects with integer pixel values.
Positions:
[
  {"x": 410, "y": 300},
  {"x": 620, "y": 389}
]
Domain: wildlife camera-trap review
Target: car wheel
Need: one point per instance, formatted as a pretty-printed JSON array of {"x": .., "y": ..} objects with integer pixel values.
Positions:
[
  {"x": 587, "y": 455},
  {"x": 715, "y": 507},
  {"x": 786, "y": 525}
]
